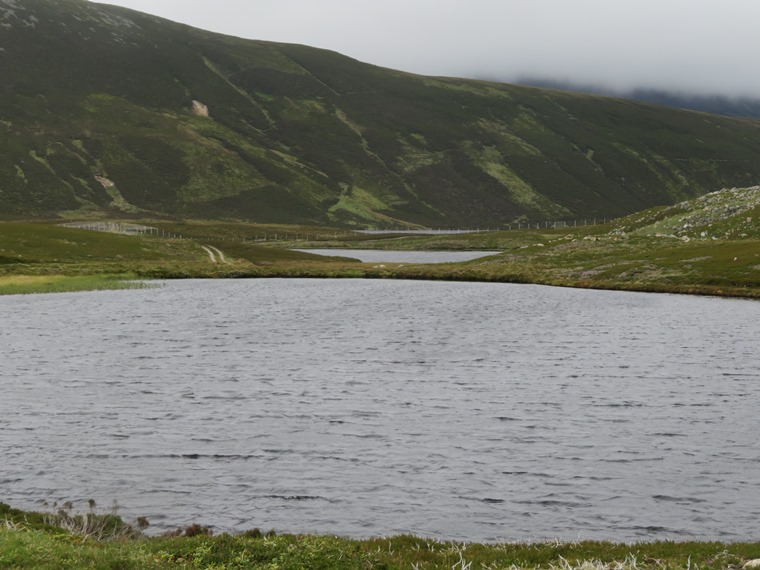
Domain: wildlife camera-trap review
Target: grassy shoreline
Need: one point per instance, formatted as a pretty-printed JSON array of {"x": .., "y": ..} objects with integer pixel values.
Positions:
[
  {"x": 67, "y": 540},
  {"x": 454, "y": 273},
  {"x": 35, "y": 283},
  {"x": 631, "y": 254},
  {"x": 22, "y": 284}
]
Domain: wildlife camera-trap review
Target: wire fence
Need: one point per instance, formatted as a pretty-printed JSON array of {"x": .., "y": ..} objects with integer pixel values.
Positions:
[
  {"x": 504, "y": 227},
  {"x": 119, "y": 228},
  {"x": 126, "y": 228}
]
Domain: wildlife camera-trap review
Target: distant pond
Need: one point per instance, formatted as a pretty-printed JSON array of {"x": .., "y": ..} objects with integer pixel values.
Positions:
[
  {"x": 469, "y": 411},
  {"x": 395, "y": 256}
]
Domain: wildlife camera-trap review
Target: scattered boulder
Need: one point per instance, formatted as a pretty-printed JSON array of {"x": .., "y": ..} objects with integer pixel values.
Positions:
[{"x": 199, "y": 109}]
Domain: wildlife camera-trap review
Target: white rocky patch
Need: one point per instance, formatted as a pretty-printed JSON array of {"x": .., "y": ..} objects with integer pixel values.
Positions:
[
  {"x": 117, "y": 21},
  {"x": 30, "y": 22},
  {"x": 8, "y": 10}
]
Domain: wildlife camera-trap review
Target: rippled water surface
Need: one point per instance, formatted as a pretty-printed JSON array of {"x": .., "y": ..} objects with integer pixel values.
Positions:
[{"x": 454, "y": 410}]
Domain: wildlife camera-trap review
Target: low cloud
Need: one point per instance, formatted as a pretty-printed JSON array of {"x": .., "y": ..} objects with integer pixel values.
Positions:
[{"x": 705, "y": 47}]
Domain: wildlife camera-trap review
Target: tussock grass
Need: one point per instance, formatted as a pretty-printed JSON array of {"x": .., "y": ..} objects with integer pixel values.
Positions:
[{"x": 91, "y": 525}]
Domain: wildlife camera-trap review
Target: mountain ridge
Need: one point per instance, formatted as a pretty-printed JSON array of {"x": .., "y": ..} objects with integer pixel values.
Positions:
[{"x": 97, "y": 112}]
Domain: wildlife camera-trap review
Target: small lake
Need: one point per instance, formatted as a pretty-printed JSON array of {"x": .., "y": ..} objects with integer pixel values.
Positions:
[
  {"x": 478, "y": 412},
  {"x": 383, "y": 256}
]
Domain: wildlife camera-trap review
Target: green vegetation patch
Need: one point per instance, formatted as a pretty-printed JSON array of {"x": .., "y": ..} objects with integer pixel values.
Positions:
[
  {"x": 27, "y": 284},
  {"x": 28, "y": 244},
  {"x": 619, "y": 255},
  {"x": 91, "y": 541},
  {"x": 359, "y": 203}
]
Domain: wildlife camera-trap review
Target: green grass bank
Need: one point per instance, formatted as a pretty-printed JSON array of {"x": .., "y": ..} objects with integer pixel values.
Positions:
[
  {"x": 707, "y": 246},
  {"x": 50, "y": 259},
  {"x": 68, "y": 541},
  {"x": 29, "y": 284}
]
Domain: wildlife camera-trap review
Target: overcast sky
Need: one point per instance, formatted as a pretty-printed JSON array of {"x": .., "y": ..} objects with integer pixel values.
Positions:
[{"x": 696, "y": 46}]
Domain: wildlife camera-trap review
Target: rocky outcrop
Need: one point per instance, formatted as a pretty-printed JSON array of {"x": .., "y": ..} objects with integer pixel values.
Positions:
[
  {"x": 105, "y": 182},
  {"x": 199, "y": 109}
]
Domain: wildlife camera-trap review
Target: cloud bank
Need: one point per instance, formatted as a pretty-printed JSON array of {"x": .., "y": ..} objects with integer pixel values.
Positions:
[{"x": 700, "y": 47}]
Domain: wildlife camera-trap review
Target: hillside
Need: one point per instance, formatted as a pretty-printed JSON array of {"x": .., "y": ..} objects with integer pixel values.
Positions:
[
  {"x": 731, "y": 213},
  {"x": 96, "y": 116}
]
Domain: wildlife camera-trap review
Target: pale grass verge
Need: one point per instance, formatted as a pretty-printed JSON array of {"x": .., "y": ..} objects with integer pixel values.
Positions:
[
  {"x": 27, "y": 279},
  {"x": 29, "y": 284},
  {"x": 629, "y": 563}
]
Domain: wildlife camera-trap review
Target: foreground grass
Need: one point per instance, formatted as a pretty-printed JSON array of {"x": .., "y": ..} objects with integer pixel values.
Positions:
[{"x": 64, "y": 541}]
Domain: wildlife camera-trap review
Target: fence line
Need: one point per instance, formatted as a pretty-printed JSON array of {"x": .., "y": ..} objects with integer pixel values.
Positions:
[
  {"x": 122, "y": 228},
  {"x": 137, "y": 229},
  {"x": 504, "y": 227}
]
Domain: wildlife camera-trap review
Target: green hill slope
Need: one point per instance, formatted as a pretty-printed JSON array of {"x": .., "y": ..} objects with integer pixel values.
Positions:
[
  {"x": 731, "y": 213},
  {"x": 96, "y": 118}
]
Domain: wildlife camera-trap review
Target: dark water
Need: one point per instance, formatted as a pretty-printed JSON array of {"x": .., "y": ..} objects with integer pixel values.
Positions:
[{"x": 454, "y": 410}]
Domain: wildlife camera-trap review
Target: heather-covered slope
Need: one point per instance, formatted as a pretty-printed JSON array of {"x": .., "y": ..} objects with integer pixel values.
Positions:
[{"x": 96, "y": 117}]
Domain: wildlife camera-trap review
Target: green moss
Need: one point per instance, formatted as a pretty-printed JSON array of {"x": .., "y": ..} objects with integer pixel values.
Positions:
[
  {"x": 490, "y": 160},
  {"x": 414, "y": 158},
  {"x": 359, "y": 203}
]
